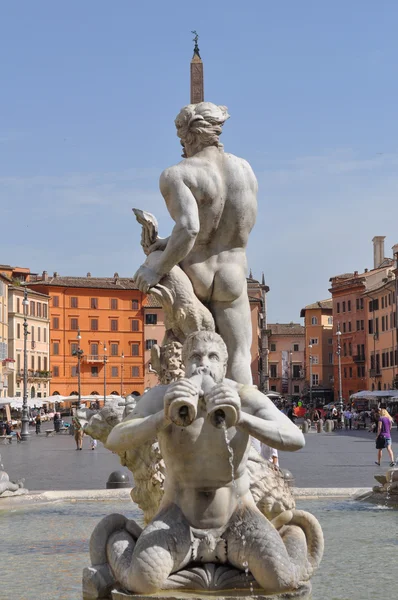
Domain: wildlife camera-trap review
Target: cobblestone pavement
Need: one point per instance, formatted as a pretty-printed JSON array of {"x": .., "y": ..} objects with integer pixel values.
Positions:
[{"x": 341, "y": 459}]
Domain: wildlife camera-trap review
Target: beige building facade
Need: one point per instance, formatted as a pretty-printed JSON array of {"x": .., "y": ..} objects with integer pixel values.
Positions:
[
  {"x": 38, "y": 342},
  {"x": 5, "y": 365}
]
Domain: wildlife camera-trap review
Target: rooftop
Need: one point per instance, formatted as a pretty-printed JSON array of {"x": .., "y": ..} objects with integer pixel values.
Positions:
[
  {"x": 286, "y": 329},
  {"x": 110, "y": 283},
  {"x": 21, "y": 289},
  {"x": 152, "y": 302},
  {"x": 322, "y": 304}
]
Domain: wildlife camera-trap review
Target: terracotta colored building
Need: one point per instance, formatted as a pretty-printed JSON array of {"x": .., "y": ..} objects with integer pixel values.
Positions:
[
  {"x": 382, "y": 331},
  {"x": 286, "y": 344},
  {"x": 318, "y": 323},
  {"x": 107, "y": 312},
  {"x": 364, "y": 310}
]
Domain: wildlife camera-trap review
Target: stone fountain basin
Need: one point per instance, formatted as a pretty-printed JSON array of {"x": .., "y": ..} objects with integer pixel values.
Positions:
[{"x": 45, "y": 545}]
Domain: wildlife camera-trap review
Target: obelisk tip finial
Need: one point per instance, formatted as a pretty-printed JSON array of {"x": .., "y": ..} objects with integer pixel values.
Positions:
[{"x": 196, "y": 47}]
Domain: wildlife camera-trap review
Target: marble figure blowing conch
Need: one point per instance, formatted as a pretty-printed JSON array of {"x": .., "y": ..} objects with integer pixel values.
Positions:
[{"x": 209, "y": 532}]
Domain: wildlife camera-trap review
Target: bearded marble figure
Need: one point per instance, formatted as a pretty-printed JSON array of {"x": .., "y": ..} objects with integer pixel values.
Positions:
[{"x": 225, "y": 519}]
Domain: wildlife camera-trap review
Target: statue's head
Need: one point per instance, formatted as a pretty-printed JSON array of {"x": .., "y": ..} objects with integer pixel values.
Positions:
[
  {"x": 200, "y": 125},
  {"x": 205, "y": 352}
]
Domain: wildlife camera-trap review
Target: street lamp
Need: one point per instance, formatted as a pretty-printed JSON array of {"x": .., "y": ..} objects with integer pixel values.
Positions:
[
  {"x": 25, "y": 418},
  {"x": 121, "y": 374},
  {"x": 105, "y": 361},
  {"x": 79, "y": 353},
  {"x": 291, "y": 375},
  {"x": 341, "y": 406},
  {"x": 310, "y": 359}
]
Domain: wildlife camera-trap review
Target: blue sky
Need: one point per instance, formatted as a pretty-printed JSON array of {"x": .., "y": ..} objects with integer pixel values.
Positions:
[{"x": 89, "y": 93}]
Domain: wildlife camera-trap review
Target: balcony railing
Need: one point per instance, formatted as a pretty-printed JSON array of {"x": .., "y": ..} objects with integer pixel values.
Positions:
[
  {"x": 359, "y": 358},
  {"x": 94, "y": 358},
  {"x": 375, "y": 373},
  {"x": 35, "y": 374}
]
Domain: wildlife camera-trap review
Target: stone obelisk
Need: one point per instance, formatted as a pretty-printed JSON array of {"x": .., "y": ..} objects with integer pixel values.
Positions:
[{"x": 197, "y": 85}]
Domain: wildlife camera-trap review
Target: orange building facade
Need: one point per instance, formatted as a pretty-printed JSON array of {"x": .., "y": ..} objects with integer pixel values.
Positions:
[
  {"x": 103, "y": 318},
  {"x": 319, "y": 357}
]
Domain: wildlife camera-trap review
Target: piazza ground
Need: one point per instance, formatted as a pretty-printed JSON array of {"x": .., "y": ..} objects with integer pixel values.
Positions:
[{"x": 343, "y": 459}]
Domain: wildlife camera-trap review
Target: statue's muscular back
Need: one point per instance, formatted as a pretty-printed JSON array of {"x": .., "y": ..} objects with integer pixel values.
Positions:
[{"x": 225, "y": 189}]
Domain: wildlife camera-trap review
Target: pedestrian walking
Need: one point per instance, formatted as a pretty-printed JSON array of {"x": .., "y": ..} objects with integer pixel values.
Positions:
[
  {"x": 78, "y": 428},
  {"x": 383, "y": 439},
  {"x": 38, "y": 423}
]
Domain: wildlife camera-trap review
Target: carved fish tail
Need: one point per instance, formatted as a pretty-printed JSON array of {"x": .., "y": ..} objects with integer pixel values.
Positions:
[{"x": 313, "y": 533}]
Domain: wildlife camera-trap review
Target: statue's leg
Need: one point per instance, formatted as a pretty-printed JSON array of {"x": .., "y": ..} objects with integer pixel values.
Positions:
[
  {"x": 253, "y": 543},
  {"x": 233, "y": 322},
  {"x": 163, "y": 548}
]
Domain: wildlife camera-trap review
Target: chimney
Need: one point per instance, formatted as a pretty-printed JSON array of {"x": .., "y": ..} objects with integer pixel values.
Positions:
[
  {"x": 55, "y": 274},
  {"x": 378, "y": 250},
  {"x": 366, "y": 270},
  {"x": 44, "y": 276},
  {"x": 88, "y": 274}
]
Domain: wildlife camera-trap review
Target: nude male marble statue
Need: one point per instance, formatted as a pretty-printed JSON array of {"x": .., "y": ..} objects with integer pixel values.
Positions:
[
  {"x": 207, "y": 508},
  {"x": 217, "y": 518},
  {"x": 211, "y": 196}
]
